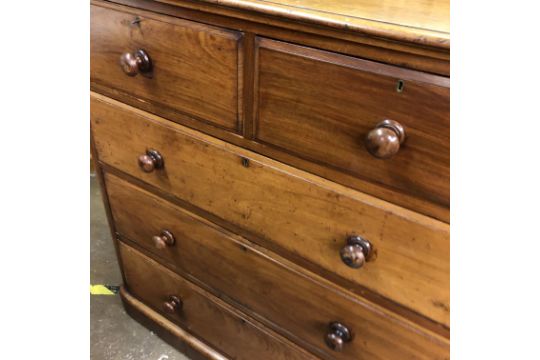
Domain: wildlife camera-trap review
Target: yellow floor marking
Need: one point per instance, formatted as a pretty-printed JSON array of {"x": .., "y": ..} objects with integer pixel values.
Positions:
[{"x": 100, "y": 290}]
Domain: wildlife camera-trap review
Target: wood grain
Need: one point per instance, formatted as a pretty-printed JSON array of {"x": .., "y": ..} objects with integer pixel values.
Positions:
[
  {"x": 303, "y": 214},
  {"x": 415, "y": 56},
  {"x": 196, "y": 67},
  {"x": 325, "y": 118},
  {"x": 203, "y": 315},
  {"x": 191, "y": 346},
  {"x": 299, "y": 305},
  {"x": 424, "y": 22}
]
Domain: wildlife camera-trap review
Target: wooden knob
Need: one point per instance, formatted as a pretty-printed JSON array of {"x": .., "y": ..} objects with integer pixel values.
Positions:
[
  {"x": 384, "y": 140},
  {"x": 337, "y": 336},
  {"x": 356, "y": 251},
  {"x": 150, "y": 161},
  {"x": 164, "y": 239},
  {"x": 173, "y": 305},
  {"x": 135, "y": 63}
]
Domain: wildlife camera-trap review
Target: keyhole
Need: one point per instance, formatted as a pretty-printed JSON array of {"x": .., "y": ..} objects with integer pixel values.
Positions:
[
  {"x": 136, "y": 21},
  {"x": 400, "y": 85}
]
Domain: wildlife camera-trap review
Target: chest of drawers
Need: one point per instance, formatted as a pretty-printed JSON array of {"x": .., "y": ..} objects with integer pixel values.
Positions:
[{"x": 276, "y": 175}]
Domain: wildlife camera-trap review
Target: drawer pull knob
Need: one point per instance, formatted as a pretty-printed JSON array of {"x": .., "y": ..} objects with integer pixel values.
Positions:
[
  {"x": 161, "y": 241},
  {"x": 173, "y": 305},
  {"x": 135, "y": 63},
  {"x": 356, "y": 251},
  {"x": 337, "y": 336},
  {"x": 150, "y": 161},
  {"x": 384, "y": 140}
]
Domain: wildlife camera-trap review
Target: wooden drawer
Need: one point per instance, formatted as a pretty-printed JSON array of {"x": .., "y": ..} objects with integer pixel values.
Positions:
[
  {"x": 194, "y": 67},
  {"x": 248, "y": 274},
  {"x": 320, "y": 106},
  {"x": 201, "y": 313},
  {"x": 284, "y": 207}
]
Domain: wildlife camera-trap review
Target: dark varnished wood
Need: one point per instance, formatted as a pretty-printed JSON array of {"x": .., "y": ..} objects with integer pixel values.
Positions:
[
  {"x": 384, "y": 141},
  {"x": 133, "y": 63},
  {"x": 407, "y": 55},
  {"x": 358, "y": 290},
  {"x": 302, "y": 213},
  {"x": 150, "y": 161},
  {"x": 224, "y": 329},
  {"x": 356, "y": 252},
  {"x": 187, "y": 343},
  {"x": 172, "y": 305},
  {"x": 391, "y": 52},
  {"x": 164, "y": 239},
  {"x": 196, "y": 68},
  {"x": 344, "y": 275},
  {"x": 252, "y": 274},
  {"x": 403, "y": 199},
  {"x": 338, "y": 335},
  {"x": 327, "y": 118}
]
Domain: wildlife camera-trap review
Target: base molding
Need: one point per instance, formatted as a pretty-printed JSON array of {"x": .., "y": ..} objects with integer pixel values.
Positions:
[{"x": 167, "y": 330}]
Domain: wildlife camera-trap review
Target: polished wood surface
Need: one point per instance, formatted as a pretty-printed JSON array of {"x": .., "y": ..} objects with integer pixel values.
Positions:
[
  {"x": 195, "y": 67},
  {"x": 305, "y": 215},
  {"x": 276, "y": 173},
  {"x": 408, "y": 55},
  {"x": 202, "y": 314},
  {"x": 133, "y": 63},
  {"x": 325, "y": 118},
  {"x": 419, "y": 21},
  {"x": 150, "y": 161},
  {"x": 254, "y": 276},
  {"x": 356, "y": 252},
  {"x": 385, "y": 139},
  {"x": 187, "y": 343},
  {"x": 338, "y": 335},
  {"x": 389, "y": 52},
  {"x": 164, "y": 239}
]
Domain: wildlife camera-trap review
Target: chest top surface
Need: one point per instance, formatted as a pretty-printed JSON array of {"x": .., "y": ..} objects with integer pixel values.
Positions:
[{"x": 417, "y": 21}]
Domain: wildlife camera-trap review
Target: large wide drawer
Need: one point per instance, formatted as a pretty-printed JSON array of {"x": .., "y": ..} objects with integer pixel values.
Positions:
[
  {"x": 296, "y": 211},
  {"x": 264, "y": 282},
  {"x": 200, "y": 313},
  {"x": 321, "y": 106},
  {"x": 194, "y": 67}
]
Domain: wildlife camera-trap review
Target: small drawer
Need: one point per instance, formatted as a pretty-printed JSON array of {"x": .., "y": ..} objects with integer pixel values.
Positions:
[
  {"x": 294, "y": 211},
  {"x": 330, "y": 109},
  {"x": 263, "y": 282},
  {"x": 169, "y": 63},
  {"x": 201, "y": 313}
]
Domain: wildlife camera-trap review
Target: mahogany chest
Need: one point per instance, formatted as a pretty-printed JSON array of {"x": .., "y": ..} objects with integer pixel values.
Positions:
[{"x": 276, "y": 174}]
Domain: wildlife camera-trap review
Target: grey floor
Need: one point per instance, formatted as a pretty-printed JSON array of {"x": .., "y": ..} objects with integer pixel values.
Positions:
[{"x": 113, "y": 334}]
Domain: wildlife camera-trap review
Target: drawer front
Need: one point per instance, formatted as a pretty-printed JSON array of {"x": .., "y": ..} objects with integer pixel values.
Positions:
[
  {"x": 321, "y": 106},
  {"x": 201, "y": 313},
  {"x": 265, "y": 283},
  {"x": 194, "y": 67},
  {"x": 296, "y": 211}
]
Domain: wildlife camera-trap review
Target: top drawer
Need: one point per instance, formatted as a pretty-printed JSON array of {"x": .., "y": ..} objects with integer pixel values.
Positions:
[
  {"x": 194, "y": 67},
  {"x": 321, "y": 106}
]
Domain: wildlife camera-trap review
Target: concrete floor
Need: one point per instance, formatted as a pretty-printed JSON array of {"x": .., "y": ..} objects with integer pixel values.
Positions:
[{"x": 113, "y": 334}]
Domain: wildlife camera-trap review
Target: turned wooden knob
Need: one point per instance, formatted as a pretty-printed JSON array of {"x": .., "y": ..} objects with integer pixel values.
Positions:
[
  {"x": 337, "y": 336},
  {"x": 135, "y": 62},
  {"x": 164, "y": 239},
  {"x": 173, "y": 305},
  {"x": 384, "y": 140},
  {"x": 356, "y": 251},
  {"x": 150, "y": 161}
]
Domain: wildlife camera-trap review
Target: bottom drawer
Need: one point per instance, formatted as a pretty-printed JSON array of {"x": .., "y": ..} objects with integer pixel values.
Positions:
[{"x": 201, "y": 313}]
